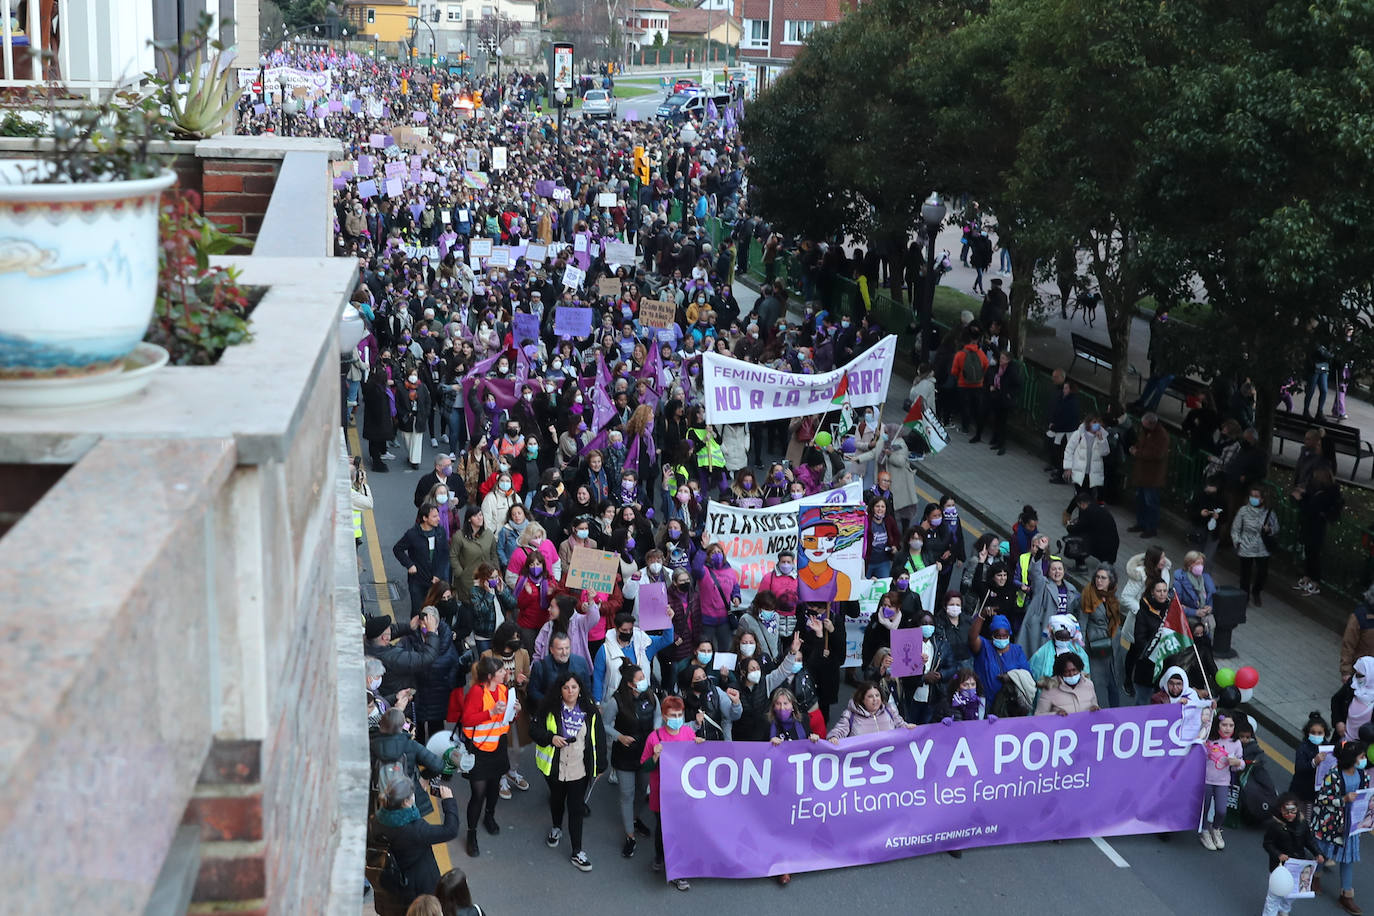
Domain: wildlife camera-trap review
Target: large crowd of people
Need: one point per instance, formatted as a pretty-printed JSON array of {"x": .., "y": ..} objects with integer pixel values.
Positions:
[{"x": 532, "y": 436}]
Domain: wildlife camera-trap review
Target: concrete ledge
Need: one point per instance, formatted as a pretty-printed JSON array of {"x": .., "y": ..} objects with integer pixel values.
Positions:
[
  {"x": 302, "y": 205},
  {"x": 266, "y": 146},
  {"x": 256, "y": 393}
]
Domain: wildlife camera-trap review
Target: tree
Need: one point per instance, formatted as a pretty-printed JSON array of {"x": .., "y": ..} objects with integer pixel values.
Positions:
[
  {"x": 1259, "y": 176},
  {"x": 298, "y": 13}
]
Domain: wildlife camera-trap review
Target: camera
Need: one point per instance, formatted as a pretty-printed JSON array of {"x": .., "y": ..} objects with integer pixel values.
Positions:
[{"x": 436, "y": 784}]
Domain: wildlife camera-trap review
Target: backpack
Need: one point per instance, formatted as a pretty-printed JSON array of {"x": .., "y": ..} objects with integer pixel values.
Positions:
[
  {"x": 972, "y": 371},
  {"x": 385, "y": 771}
]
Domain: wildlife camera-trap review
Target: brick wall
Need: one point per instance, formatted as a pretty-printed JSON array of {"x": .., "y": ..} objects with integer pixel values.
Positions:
[
  {"x": 227, "y": 807},
  {"x": 237, "y": 191}
]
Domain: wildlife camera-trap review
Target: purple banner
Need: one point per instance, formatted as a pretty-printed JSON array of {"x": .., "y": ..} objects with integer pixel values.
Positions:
[
  {"x": 749, "y": 809},
  {"x": 524, "y": 327}
]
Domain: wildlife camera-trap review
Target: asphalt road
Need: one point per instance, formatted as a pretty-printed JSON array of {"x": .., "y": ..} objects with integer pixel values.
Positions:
[{"x": 1124, "y": 875}]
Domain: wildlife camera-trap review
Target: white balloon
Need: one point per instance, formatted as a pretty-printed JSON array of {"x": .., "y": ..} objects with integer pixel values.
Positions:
[
  {"x": 1246, "y": 693},
  {"x": 1281, "y": 882}
]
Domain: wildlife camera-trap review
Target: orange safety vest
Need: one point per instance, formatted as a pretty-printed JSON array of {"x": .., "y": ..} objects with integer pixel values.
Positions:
[{"x": 486, "y": 736}]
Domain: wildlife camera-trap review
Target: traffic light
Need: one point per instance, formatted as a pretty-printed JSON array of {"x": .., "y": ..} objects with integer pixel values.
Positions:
[
  {"x": 434, "y": 16},
  {"x": 434, "y": 91},
  {"x": 641, "y": 166},
  {"x": 414, "y": 51},
  {"x": 405, "y": 86},
  {"x": 371, "y": 16}
]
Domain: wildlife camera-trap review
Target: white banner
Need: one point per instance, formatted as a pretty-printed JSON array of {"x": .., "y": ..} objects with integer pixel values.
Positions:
[
  {"x": 741, "y": 392},
  {"x": 870, "y": 590},
  {"x": 753, "y": 537},
  {"x": 314, "y": 80}
]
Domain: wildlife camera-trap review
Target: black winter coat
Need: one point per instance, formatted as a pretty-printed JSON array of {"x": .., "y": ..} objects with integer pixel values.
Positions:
[
  {"x": 1289, "y": 839},
  {"x": 401, "y": 746},
  {"x": 434, "y": 683},
  {"x": 404, "y": 660},
  {"x": 412, "y": 846},
  {"x": 377, "y": 422}
]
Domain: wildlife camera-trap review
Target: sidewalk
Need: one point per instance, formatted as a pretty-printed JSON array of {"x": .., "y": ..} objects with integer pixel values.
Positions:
[
  {"x": 1297, "y": 658},
  {"x": 1057, "y": 352}
]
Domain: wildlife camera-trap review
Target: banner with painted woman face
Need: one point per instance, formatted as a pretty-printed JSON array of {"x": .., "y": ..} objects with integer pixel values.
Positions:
[{"x": 830, "y": 561}]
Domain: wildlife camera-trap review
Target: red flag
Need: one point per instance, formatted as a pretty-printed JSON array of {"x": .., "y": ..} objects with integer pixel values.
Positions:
[
  {"x": 916, "y": 413},
  {"x": 841, "y": 391},
  {"x": 1177, "y": 621}
]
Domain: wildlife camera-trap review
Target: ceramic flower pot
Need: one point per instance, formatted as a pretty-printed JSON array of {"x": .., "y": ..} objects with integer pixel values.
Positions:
[{"x": 78, "y": 273}]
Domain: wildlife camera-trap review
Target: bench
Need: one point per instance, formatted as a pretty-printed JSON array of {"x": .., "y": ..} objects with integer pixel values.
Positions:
[
  {"x": 1337, "y": 439},
  {"x": 1090, "y": 350},
  {"x": 1183, "y": 388}
]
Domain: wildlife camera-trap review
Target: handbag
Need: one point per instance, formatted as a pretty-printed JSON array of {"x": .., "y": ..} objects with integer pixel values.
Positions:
[
  {"x": 1271, "y": 540},
  {"x": 731, "y": 615}
]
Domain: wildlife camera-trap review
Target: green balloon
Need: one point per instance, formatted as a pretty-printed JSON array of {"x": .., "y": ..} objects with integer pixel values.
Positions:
[
  {"x": 1226, "y": 677},
  {"x": 823, "y": 439}
]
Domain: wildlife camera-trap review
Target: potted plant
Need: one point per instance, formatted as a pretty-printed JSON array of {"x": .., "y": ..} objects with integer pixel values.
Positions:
[{"x": 79, "y": 245}]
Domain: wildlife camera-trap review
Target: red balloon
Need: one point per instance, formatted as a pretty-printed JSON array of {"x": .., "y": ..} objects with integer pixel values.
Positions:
[{"x": 1247, "y": 678}]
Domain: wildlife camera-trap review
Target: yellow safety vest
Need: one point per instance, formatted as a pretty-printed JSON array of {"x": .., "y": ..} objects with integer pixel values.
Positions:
[
  {"x": 543, "y": 754},
  {"x": 1024, "y": 561},
  {"x": 357, "y": 524},
  {"x": 712, "y": 456}
]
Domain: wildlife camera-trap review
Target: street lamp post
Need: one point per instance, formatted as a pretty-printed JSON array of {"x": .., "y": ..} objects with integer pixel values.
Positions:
[
  {"x": 282, "y": 104},
  {"x": 560, "y": 97},
  {"x": 500, "y": 86},
  {"x": 933, "y": 215}
]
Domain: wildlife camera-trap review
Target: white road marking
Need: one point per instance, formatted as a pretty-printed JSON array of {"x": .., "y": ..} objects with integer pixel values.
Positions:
[{"x": 1110, "y": 853}]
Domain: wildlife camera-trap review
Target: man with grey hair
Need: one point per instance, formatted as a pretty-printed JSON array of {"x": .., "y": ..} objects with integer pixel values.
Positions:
[
  {"x": 558, "y": 662},
  {"x": 1149, "y": 471}
]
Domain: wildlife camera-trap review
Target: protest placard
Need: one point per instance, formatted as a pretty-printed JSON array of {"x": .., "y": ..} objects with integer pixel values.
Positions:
[
  {"x": 652, "y": 606},
  {"x": 572, "y": 321},
  {"x": 377, "y": 141},
  {"x": 608, "y": 286},
  {"x": 592, "y": 570},
  {"x": 573, "y": 277},
  {"x": 524, "y": 326},
  {"x": 655, "y": 313},
  {"x": 395, "y": 187},
  {"x": 481, "y": 248},
  {"x": 620, "y": 253},
  {"x": 580, "y": 242},
  {"x": 367, "y": 189},
  {"x": 498, "y": 158},
  {"x": 605, "y": 199},
  {"x": 536, "y": 253},
  {"x": 906, "y": 653},
  {"x": 472, "y": 160},
  {"x": 500, "y": 256}
]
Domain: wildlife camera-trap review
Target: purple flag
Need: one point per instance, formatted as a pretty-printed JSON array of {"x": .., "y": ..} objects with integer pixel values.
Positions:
[
  {"x": 711, "y": 111},
  {"x": 748, "y": 809}
]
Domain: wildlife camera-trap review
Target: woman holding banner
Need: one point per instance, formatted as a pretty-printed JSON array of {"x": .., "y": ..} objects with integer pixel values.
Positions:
[
  {"x": 1330, "y": 816},
  {"x": 866, "y": 714},
  {"x": 1070, "y": 690},
  {"x": 675, "y": 728}
]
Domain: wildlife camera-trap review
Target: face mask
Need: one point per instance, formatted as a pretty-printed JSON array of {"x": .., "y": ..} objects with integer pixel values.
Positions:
[
  {"x": 768, "y": 616},
  {"x": 582, "y": 534},
  {"x": 536, "y": 572},
  {"x": 577, "y": 399},
  {"x": 968, "y": 695},
  {"x": 1001, "y": 644},
  {"x": 717, "y": 560},
  {"x": 491, "y": 405},
  {"x": 889, "y": 612},
  {"x": 442, "y": 498},
  {"x": 1361, "y": 763},
  {"x": 504, "y": 485},
  {"x": 624, "y": 637},
  {"x": 674, "y": 722},
  {"x": 783, "y": 714},
  {"x": 684, "y": 497},
  {"x": 654, "y": 568},
  {"x": 374, "y": 683},
  {"x": 1255, "y": 501},
  {"x": 494, "y": 582},
  {"x": 796, "y": 666},
  {"x": 1197, "y": 569},
  {"x": 641, "y": 685},
  {"x": 1315, "y": 739},
  {"x": 748, "y": 485},
  {"x": 786, "y": 569},
  {"x": 704, "y": 657},
  {"x": 915, "y": 546},
  {"x": 532, "y": 451},
  {"x": 753, "y": 676},
  {"x": 747, "y": 650},
  {"x": 1095, "y": 427},
  {"x": 927, "y": 630},
  {"x": 902, "y": 585},
  {"x": 1072, "y": 679},
  {"x": 674, "y": 535},
  {"x": 844, "y": 324}
]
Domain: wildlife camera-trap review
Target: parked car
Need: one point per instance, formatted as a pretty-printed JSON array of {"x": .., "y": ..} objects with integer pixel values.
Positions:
[
  {"x": 598, "y": 103},
  {"x": 684, "y": 84}
]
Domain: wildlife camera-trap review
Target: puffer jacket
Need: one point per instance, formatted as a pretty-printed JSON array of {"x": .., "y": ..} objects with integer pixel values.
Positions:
[
  {"x": 1247, "y": 530},
  {"x": 1084, "y": 454},
  {"x": 855, "y": 720},
  {"x": 1134, "y": 588}
]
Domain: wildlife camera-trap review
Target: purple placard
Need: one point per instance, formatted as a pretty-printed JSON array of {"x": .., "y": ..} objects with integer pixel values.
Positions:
[
  {"x": 572, "y": 321},
  {"x": 367, "y": 189},
  {"x": 364, "y": 166},
  {"x": 395, "y": 170},
  {"x": 427, "y": 175},
  {"x": 259, "y": 108},
  {"x": 415, "y": 176},
  {"x": 749, "y": 809},
  {"x": 416, "y": 161},
  {"x": 420, "y": 116},
  {"x": 544, "y": 187},
  {"x": 906, "y": 653},
  {"x": 335, "y": 106},
  {"x": 652, "y": 606},
  {"x": 377, "y": 141},
  {"x": 526, "y": 327},
  {"x": 394, "y": 187},
  {"x": 340, "y": 183},
  {"x": 356, "y": 106}
]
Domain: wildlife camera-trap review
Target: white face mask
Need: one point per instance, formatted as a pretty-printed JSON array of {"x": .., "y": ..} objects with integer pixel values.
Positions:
[
  {"x": 747, "y": 650},
  {"x": 655, "y": 568},
  {"x": 753, "y": 676},
  {"x": 952, "y": 611},
  {"x": 374, "y": 683}
]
